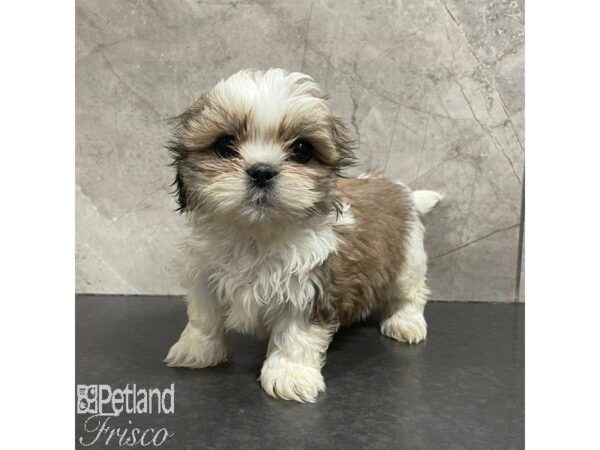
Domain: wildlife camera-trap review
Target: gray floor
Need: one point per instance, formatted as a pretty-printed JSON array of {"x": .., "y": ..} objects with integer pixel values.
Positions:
[{"x": 463, "y": 388}]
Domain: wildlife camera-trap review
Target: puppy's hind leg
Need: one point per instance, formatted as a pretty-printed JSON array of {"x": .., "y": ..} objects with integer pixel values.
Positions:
[
  {"x": 402, "y": 316},
  {"x": 202, "y": 342}
]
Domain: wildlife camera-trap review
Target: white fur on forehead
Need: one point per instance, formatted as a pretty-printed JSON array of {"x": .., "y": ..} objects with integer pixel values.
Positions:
[
  {"x": 271, "y": 94},
  {"x": 275, "y": 83}
]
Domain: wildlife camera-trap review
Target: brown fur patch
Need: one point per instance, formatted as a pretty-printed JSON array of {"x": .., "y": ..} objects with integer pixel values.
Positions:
[{"x": 361, "y": 275}]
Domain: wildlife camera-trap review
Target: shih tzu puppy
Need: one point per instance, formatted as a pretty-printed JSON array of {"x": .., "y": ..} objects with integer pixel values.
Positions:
[{"x": 280, "y": 244}]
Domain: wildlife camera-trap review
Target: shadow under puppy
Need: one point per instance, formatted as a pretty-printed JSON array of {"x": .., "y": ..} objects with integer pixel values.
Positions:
[{"x": 280, "y": 245}]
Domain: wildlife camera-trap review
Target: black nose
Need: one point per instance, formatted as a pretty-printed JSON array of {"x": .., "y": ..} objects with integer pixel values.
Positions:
[{"x": 261, "y": 174}]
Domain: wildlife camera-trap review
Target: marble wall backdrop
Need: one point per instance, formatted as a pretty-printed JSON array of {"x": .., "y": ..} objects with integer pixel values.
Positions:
[{"x": 432, "y": 89}]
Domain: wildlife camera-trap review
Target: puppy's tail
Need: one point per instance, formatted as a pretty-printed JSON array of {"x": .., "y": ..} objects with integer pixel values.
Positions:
[{"x": 425, "y": 201}]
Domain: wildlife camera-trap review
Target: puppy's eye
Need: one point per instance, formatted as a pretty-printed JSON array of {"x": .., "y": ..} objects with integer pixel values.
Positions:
[
  {"x": 301, "y": 151},
  {"x": 225, "y": 147}
]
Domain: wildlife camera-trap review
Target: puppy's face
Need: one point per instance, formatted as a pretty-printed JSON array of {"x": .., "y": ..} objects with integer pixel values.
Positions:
[{"x": 259, "y": 147}]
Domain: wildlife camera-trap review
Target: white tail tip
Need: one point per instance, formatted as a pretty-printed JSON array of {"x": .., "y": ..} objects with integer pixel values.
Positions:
[{"x": 425, "y": 201}]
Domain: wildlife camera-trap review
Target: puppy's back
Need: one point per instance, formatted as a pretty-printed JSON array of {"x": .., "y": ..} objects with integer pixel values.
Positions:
[{"x": 372, "y": 249}]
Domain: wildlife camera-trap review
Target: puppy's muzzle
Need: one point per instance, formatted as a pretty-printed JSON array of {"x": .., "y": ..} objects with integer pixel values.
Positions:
[{"x": 261, "y": 174}]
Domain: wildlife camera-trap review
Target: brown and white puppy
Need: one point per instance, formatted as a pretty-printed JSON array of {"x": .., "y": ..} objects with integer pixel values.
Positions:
[{"x": 279, "y": 244}]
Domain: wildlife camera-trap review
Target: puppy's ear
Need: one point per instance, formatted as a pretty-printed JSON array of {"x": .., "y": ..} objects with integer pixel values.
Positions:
[
  {"x": 179, "y": 152},
  {"x": 180, "y": 191},
  {"x": 343, "y": 143}
]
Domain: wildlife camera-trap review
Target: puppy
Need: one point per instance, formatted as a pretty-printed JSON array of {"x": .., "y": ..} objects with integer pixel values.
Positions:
[{"x": 280, "y": 244}]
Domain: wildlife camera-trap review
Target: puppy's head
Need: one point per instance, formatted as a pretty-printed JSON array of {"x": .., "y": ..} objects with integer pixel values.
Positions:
[{"x": 259, "y": 147}]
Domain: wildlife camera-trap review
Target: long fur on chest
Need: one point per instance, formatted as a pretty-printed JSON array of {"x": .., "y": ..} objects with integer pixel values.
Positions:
[{"x": 255, "y": 280}]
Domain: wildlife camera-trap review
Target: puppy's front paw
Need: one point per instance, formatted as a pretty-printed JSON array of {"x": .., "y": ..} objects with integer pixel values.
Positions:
[
  {"x": 195, "y": 351},
  {"x": 405, "y": 327},
  {"x": 287, "y": 380}
]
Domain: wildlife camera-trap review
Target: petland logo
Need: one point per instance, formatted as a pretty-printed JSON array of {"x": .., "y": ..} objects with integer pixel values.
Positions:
[{"x": 105, "y": 403}]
